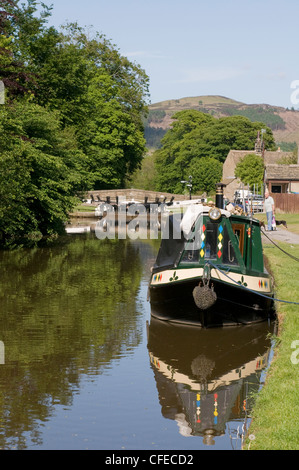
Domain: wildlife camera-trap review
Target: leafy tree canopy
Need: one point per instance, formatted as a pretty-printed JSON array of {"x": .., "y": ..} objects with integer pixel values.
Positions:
[
  {"x": 39, "y": 174},
  {"x": 206, "y": 172},
  {"x": 195, "y": 135},
  {"x": 72, "y": 118},
  {"x": 250, "y": 170}
]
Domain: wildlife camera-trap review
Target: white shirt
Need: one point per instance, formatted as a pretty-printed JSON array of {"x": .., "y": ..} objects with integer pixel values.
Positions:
[{"x": 269, "y": 203}]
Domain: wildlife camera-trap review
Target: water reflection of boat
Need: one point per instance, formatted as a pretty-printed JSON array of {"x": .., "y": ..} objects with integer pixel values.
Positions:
[
  {"x": 205, "y": 377},
  {"x": 214, "y": 259}
]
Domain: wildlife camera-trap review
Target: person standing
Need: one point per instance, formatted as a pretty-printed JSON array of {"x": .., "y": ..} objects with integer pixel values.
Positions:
[{"x": 269, "y": 209}]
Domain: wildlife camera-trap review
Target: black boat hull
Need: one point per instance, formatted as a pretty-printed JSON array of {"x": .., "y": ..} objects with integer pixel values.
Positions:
[{"x": 234, "y": 304}]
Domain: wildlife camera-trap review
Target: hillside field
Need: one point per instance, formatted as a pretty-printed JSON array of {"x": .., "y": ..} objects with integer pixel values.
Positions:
[{"x": 283, "y": 122}]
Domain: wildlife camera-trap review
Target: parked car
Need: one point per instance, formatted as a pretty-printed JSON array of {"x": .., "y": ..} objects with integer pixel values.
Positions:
[{"x": 255, "y": 200}]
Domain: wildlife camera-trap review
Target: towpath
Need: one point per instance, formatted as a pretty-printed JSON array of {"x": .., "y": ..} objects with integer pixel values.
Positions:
[{"x": 280, "y": 235}]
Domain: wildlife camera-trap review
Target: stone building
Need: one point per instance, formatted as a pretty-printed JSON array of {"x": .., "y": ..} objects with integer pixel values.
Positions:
[
  {"x": 282, "y": 178},
  {"x": 272, "y": 170}
]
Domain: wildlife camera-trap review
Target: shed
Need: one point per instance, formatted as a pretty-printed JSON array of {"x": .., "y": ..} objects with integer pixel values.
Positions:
[
  {"x": 282, "y": 178},
  {"x": 234, "y": 156}
]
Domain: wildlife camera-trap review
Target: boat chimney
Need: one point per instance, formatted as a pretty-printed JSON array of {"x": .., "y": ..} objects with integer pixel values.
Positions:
[{"x": 219, "y": 195}]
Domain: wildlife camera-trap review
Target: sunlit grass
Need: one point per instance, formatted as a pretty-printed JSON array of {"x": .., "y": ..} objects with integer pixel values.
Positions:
[
  {"x": 84, "y": 208},
  {"x": 292, "y": 220},
  {"x": 275, "y": 423}
]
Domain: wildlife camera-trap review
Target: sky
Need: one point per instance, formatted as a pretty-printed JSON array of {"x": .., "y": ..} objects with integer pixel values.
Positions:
[{"x": 246, "y": 50}]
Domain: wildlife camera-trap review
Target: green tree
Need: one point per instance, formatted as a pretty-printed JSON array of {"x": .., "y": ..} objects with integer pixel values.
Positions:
[
  {"x": 73, "y": 120},
  {"x": 110, "y": 136},
  {"x": 100, "y": 93},
  {"x": 16, "y": 79},
  {"x": 38, "y": 173},
  {"x": 224, "y": 134},
  {"x": 198, "y": 135},
  {"x": 145, "y": 176},
  {"x": 250, "y": 170},
  {"x": 206, "y": 172},
  {"x": 177, "y": 150},
  {"x": 96, "y": 90}
]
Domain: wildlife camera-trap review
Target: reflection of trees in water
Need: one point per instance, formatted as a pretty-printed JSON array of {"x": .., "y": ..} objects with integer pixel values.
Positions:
[{"x": 65, "y": 310}]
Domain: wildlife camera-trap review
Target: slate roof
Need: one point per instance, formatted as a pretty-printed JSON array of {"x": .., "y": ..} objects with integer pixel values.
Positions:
[
  {"x": 275, "y": 157},
  {"x": 269, "y": 156},
  {"x": 282, "y": 172}
]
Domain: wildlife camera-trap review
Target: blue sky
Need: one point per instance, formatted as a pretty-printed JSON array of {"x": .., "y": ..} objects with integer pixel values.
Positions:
[{"x": 246, "y": 50}]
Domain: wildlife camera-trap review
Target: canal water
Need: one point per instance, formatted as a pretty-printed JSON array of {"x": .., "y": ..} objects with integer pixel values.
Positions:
[{"x": 83, "y": 365}]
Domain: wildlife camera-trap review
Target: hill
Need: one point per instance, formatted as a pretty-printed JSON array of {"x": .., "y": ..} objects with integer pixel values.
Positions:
[{"x": 283, "y": 122}]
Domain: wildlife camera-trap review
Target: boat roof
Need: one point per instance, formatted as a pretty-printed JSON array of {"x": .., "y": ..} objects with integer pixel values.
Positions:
[{"x": 192, "y": 213}]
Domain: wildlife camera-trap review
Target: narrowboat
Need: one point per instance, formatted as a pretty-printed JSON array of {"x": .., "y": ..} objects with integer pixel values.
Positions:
[{"x": 210, "y": 264}]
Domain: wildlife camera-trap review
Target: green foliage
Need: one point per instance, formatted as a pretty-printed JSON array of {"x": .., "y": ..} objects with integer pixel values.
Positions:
[
  {"x": 206, "y": 172},
  {"x": 275, "y": 414},
  {"x": 144, "y": 177},
  {"x": 12, "y": 72},
  {"x": 153, "y": 136},
  {"x": 111, "y": 137},
  {"x": 39, "y": 173},
  {"x": 288, "y": 146},
  {"x": 97, "y": 91},
  {"x": 259, "y": 113},
  {"x": 292, "y": 160},
  {"x": 195, "y": 135},
  {"x": 73, "y": 119},
  {"x": 186, "y": 121},
  {"x": 250, "y": 170}
]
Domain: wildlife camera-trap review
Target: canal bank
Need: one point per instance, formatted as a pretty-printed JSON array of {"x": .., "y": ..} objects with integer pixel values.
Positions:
[
  {"x": 275, "y": 415},
  {"x": 274, "y": 424}
]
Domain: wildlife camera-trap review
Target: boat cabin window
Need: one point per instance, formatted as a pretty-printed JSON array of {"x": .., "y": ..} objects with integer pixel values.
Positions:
[
  {"x": 219, "y": 245},
  {"x": 212, "y": 243},
  {"x": 191, "y": 251},
  {"x": 238, "y": 230}
]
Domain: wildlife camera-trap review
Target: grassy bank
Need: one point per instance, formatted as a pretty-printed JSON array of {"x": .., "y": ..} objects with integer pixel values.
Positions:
[
  {"x": 84, "y": 208},
  {"x": 275, "y": 423},
  {"x": 291, "y": 219}
]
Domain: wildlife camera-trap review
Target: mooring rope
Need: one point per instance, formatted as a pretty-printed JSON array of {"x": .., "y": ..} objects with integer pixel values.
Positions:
[
  {"x": 247, "y": 288},
  {"x": 277, "y": 246}
]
